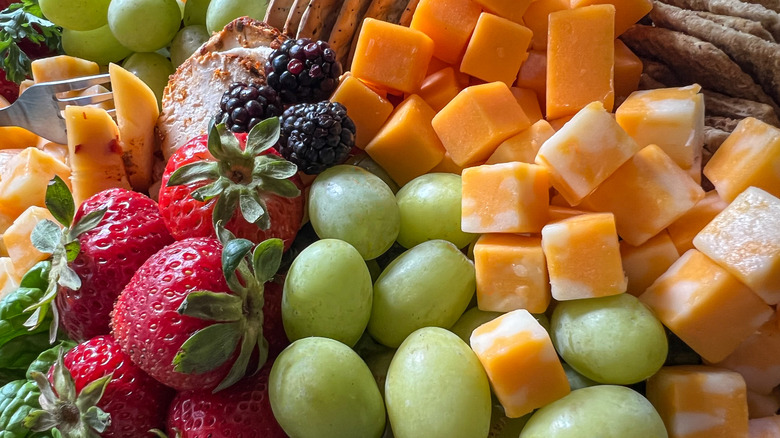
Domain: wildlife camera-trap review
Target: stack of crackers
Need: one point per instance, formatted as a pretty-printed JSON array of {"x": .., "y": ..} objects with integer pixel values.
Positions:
[{"x": 729, "y": 47}]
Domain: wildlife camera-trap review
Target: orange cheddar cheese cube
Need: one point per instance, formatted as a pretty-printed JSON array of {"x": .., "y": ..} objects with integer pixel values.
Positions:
[
  {"x": 646, "y": 194},
  {"x": 705, "y": 306},
  {"x": 744, "y": 238},
  {"x": 628, "y": 71},
  {"x": 645, "y": 263},
  {"x": 511, "y": 273},
  {"x": 521, "y": 363},
  {"x": 477, "y": 120},
  {"x": 528, "y": 101},
  {"x": 580, "y": 59},
  {"x": 504, "y": 198},
  {"x": 684, "y": 229},
  {"x": 583, "y": 257},
  {"x": 17, "y": 239},
  {"x": 435, "y": 65},
  {"x": 699, "y": 401},
  {"x": 585, "y": 151},
  {"x": 59, "y": 68},
  {"x": 448, "y": 23},
  {"x": 557, "y": 213},
  {"x": 627, "y": 12},
  {"x": 748, "y": 157},
  {"x": 9, "y": 278},
  {"x": 440, "y": 88},
  {"x": 536, "y": 18},
  {"x": 766, "y": 427},
  {"x": 509, "y": 9},
  {"x": 406, "y": 146},
  {"x": 524, "y": 145},
  {"x": 762, "y": 405},
  {"x": 533, "y": 75},
  {"x": 672, "y": 118},
  {"x": 391, "y": 56},
  {"x": 25, "y": 178},
  {"x": 446, "y": 165},
  {"x": 364, "y": 106},
  {"x": 756, "y": 358},
  {"x": 496, "y": 49}
]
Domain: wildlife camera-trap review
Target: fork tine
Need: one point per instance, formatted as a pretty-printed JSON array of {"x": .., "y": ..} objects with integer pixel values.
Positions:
[
  {"x": 85, "y": 100},
  {"x": 79, "y": 83}
]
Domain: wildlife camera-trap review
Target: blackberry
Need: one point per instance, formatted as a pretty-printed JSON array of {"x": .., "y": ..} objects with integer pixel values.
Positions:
[
  {"x": 316, "y": 136},
  {"x": 244, "y": 105},
  {"x": 303, "y": 71}
]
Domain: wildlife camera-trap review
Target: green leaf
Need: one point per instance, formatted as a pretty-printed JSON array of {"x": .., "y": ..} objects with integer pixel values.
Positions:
[
  {"x": 18, "y": 353},
  {"x": 266, "y": 259},
  {"x": 87, "y": 222},
  {"x": 194, "y": 172},
  {"x": 17, "y": 400},
  {"x": 252, "y": 207},
  {"x": 24, "y": 21},
  {"x": 281, "y": 187},
  {"x": 212, "y": 306},
  {"x": 211, "y": 190},
  {"x": 263, "y": 136},
  {"x": 59, "y": 201},
  {"x": 46, "y": 236},
  {"x": 271, "y": 166},
  {"x": 37, "y": 277},
  {"x": 91, "y": 394},
  {"x": 13, "y": 312},
  {"x": 233, "y": 253},
  {"x": 238, "y": 370},
  {"x": 208, "y": 348}
]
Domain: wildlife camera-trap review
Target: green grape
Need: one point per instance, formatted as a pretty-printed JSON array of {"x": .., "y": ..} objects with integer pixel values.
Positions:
[
  {"x": 144, "y": 25},
  {"x": 470, "y": 320},
  {"x": 364, "y": 161},
  {"x": 614, "y": 339},
  {"x": 577, "y": 380},
  {"x": 78, "y": 15},
  {"x": 436, "y": 387},
  {"x": 98, "y": 45},
  {"x": 222, "y": 12},
  {"x": 353, "y": 205},
  {"x": 195, "y": 12},
  {"x": 604, "y": 411},
  {"x": 153, "y": 68},
  {"x": 327, "y": 293},
  {"x": 186, "y": 42},
  {"x": 430, "y": 209},
  {"x": 320, "y": 388},
  {"x": 428, "y": 285}
]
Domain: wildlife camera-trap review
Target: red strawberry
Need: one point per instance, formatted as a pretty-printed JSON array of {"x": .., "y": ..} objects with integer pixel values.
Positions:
[
  {"x": 243, "y": 410},
  {"x": 131, "y": 230},
  {"x": 9, "y": 90},
  {"x": 254, "y": 191},
  {"x": 135, "y": 402},
  {"x": 186, "y": 323},
  {"x": 273, "y": 329}
]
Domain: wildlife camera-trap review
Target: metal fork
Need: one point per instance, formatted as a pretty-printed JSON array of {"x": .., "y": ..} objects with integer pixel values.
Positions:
[{"x": 39, "y": 110}]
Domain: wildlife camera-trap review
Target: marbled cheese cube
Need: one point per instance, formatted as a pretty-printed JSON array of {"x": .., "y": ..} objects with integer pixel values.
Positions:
[
  {"x": 745, "y": 239},
  {"x": 672, "y": 118},
  {"x": 698, "y": 401},
  {"x": 557, "y": 213},
  {"x": 25, "y": 179},
  {"x": 757, "y": 358},
  {"x": 645, "y": 194},
  {"x": 17, "y": 239},
  {"x": 748, "y": 157},
  {"x": 645, "y": 263},
  {"x": 523, "y": 146},
  {"x": 705, "y": 306},
  {"x": 585, "y": 151},
  {"x": 686, "y": 227},
  {"x": 511, "y": 273},
  {"x": 521, "y": 363},
  {"x": 9, "y": 279},
  {"x": 583, "y": 257},
  {"x": 504, "y": 198}
]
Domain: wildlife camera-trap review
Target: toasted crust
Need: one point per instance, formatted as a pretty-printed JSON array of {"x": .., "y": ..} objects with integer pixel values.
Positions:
[
  {"x": 294, "y": 18},
  {"x": 319, "y": 18},
  {"x": 277, "y": 12},
  {"x": 340, "y": 40}
]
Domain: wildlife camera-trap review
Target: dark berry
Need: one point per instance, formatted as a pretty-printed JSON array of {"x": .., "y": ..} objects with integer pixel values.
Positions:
[
  {"x": 243, "y": 106},
  {"x": 316, "y": 136},
  {"x": 303, "y": 71}
]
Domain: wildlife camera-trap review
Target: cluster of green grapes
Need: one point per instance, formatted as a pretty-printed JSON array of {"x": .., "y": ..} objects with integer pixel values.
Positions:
[{"x": 149, "y": 37}]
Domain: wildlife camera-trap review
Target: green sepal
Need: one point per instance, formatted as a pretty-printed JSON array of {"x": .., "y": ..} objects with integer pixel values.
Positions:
[
  {"x": 194, "y": 172},
  {"x": 86, "y": 223},
  {"x": 233, "y": 253},
  {"x": 238, "y": 370},
  {"x": 211, "y": 190},
  {"x": 72, "y": 250},
  {"x": 46, "y": 236},
  {"x": 92, "y": 393},
  {"x": 271, "y": 166},
  {"x": 282, "y": 187},
  {"x": 63, "y": 380},
  {"x": 266, "y": 259},
  {"x": 225, "y": 146},
  {"x": 225, "y": 206},
  {"x": 48, "y": 399},
  {"x": 46, "y": 358},
  {"x": 212, "y": 306},
  {"x": 208, "y": 348},
  {"x": 40, "y": 420},
  {"x": 263, "y": 136},
  {"x": 252, "y": 208},
  {"x": 97, "y": 420},
  {"x": 59, "y": 201},
  {"x": 158, "y": 433}
]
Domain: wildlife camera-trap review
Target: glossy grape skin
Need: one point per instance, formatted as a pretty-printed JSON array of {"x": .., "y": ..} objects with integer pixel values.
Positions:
[
  {"x": 195, "y": 12},
  {"x": 428, "y": 285},
  {"x": 144, "y": 25},
  {"x": 430, "y": 209},
  {"x": 186, "y": 42},
  {"x": 327, "y": 293},
  {"x": 78, "y": 15},
  {"x": 321, "y": 388},
  {"x": 354, "y": 205},
  {"x": 98, "y": 45},
  {"x": 222, "y": 12},
  {"x": 604, "y": 411},
  {"x": 436, "y": 387},
  {"x": 152, "y": 68},
  {"x": 614, "y": 339}
]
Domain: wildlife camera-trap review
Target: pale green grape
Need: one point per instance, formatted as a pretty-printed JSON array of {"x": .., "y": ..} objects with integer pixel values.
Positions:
[
  {"x": 577, "y": 380},
  {"x": 76, "y": 14},
  {"x": 470, "y": 320},
  {"x": 144, "y": 25},
  {"x": 152, "y": 68},
  {"x": 430, "y": 209},
  {"x": 98, "y": 45},
  {"x": 186, "y": 42},
  {"x": 614, "y": 339},
  {"x": 320, "y": 388},
  {"x": 436, "y": 387},
  {"x": 428, "y": 285},
  {"x": 327, "y": 293},
  {"x": 222, "y": 12},
  {"x": 353, "y": 205},
  {"x": 604, "y": 411},
  {"x": 195, "y": 12},
  {"x": 364, "y": 161}
]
